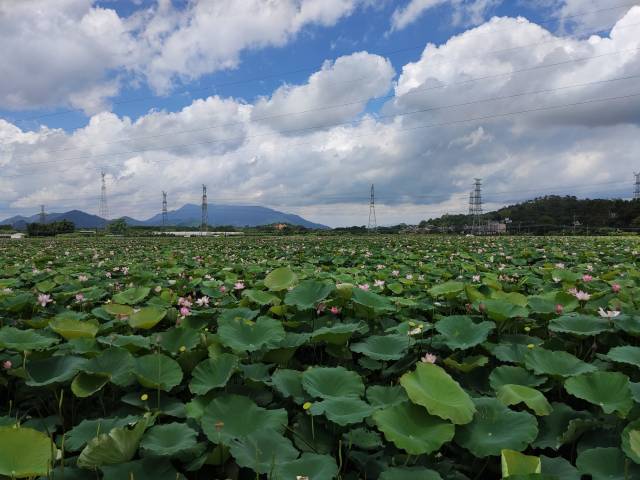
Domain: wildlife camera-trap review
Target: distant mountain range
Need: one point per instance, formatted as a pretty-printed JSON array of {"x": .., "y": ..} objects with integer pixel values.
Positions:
[{"x": 188, "y": 215}]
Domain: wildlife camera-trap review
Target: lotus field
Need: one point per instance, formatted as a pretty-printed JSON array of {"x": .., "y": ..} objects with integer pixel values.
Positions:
[{"x": 317, "y": 358}]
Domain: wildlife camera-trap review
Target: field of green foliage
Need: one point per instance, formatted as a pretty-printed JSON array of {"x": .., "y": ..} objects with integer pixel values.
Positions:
[{"x": 316, "y": 358}]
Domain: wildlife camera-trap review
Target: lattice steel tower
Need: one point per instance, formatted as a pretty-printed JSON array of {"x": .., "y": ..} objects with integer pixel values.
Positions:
[
  {"x": 104, "y": 207},
  {"x": 636, "y": 191},
  {"x": 43, "y": 216},
  {"x": 373, "y": 223},
  {"x": 205, "y": 214},
  {"x": 165, "y": 215},
  {"x": 475, "y": 205}
]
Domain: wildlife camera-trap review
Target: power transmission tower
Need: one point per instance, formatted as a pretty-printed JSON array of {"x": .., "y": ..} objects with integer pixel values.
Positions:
[
  {"x": 475, "y": 206},
  {"x": 205, "y": 213},
  {"x": 373, "y": 223},
  {"x": 104, "y": 207},
  {"x": 636, "y": 191},
  {"x": 165, "y": 215},
  {"x": 43, "y": 216}
]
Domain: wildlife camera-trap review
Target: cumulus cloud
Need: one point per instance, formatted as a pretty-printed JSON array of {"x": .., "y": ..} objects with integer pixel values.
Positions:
[
  {"x": 466, "y": 12},
  {"x": 337, "y": 93},
  {"x": 73, "y": 53},
  {"x": 422, "y": 163}
]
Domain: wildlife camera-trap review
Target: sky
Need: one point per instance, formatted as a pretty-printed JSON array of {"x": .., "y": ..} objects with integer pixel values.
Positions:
[{"x": 302, "y": 105}]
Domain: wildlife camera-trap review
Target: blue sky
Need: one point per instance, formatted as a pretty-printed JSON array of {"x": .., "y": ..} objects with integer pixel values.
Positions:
[{"x": 165, "y": 95}]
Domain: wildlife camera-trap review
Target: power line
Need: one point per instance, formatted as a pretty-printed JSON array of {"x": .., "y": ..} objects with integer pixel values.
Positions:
[
  {"x": 324, "y": 126},
  {"x": 363, "y": 100},
  {"x": 315, "y": 67}
]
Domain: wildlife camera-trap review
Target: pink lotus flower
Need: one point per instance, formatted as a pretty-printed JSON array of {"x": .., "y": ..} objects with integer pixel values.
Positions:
[
  {"x": 238, "y": 286},
  {"x": 184, "y": 302},
  {"x": 587, "y": 278},
  {"x": 44, "y": 299},
  {"x": 395, "y": 273},
  {"x": 79, "y": 297},
  {"x": 83, "y": 278},
  {"x": 476, "y": 278},
  {"x": 364, "y": 286},
  {"x": 615, "y": 288},
  {"x": 559, "y": 309},
  {"x": 580, "y": 295},
  {"x": 608, "y": 313},
  {"x": 429, "y": 358},
  {"x": 203, "y": 302},
  {"x": 184, "y": 311},
  {"x": 108, "y": 274},
  {"x": 7, "y": 364},
  {"x": 378, "y": 283},
  {"x": 335, "y": 310},
  {"x": 222, "y": 288}
]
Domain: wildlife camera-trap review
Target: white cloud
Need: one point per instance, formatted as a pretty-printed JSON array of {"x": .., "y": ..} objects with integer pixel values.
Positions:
[
  {"x": 347, "y": 83},
  {"x": 465, "y": 12},
  {"x": 408, "y": 14},
  {"x": 421, "y": 164}
]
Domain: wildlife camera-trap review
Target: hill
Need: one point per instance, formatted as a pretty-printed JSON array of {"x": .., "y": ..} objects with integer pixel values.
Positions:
[
  {"x": 188, "y": 215},
  {"x": 559, "y": 211}
]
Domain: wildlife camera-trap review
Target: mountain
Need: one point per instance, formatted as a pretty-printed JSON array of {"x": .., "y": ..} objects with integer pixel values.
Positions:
[
  {"x": 186, "y": 216},
  {"x": 190, "y": 215}
]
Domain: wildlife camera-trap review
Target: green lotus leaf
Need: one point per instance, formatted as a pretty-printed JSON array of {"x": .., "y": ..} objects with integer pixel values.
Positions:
[
  {"x": 343, "y": 411},
  {"x": 507, "y": 374},
  {"x": 559, "y": 468},
  {"x": 446, "y": 289},
  {"x": 363, "y": 438},
  {"x": 78, "y": 436},
  {"x": 86, "y": 384},
  {"x": 581, "y": 325},
  {"x": 414, "y": 473},
  {"x": 262, "y": 451},
  {"x": 628, "y": 323},
  {"x": 631, "y": 441},
  {"x": 25, "y": 452},
  {"x": 606, "y": 463},
  {"x": 626, "y": 354},
  {"x": 178, "y": 339},
  {"x": 239, "y": 313},
  {"x": 496, "y": 427},
  {"x": 147, "y": 317},
  {"x": 289, "y": 384},
  {"x": 383, "y": 347},
  {"x": 132, "y": 343},
  {"x": 71, "y": 328},
  {"x": 24, "y": 340},
  {"x": 248, "y": 336},
  {"x": 52, "y": 370},
  {"x": 501, "y": 310},
  {"x": 514, "y": 394},
  {"x": 117, "y": 310},
  {"x": 149, "y": 468},
  {"x": 382, "y": 397},
  {"x": 516, "y": 463},
  {"x": 309, "y": 465},
  {"x": 555, "y": 426},
  {"x": 117, "y": 446},
  {"x": 433, "y": 388},
  {"x": 280, "y": 279},
  {"x": 132, "y": 296},
  {"x": 609, "y": 390},
  {"x": 556, "y": 363},
  {"x": 337, "y": 334},
  {"x": 412, "y": 429},
  {"x": 459, "y": 332},
  {"x": 327, "y": 382},
  {"x": 466, "y": 364},
  {"x": 308, "y": 294},
  {"x": 169, "y": 440},
  {"x": 213, "y": 373},
  {"x": 117, "y": 363},
  {"x": 235, "y": 416},
  {"x": 540, "y": 304},
  {"x": 261, "y": 297},
  {"x": 372, "y": 300},
  {"x": 157, "y": 371}
]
